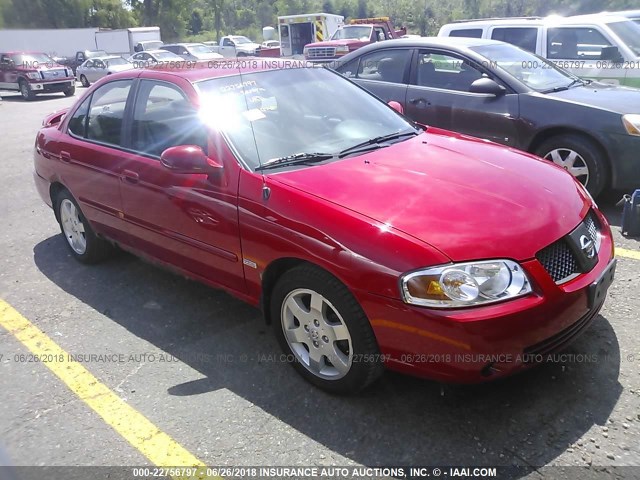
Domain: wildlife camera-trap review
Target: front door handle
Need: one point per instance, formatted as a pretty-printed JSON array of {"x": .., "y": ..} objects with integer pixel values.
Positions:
[
  {"x": 419, "y": 102},
  {"x": 65, "y": 157},
  {"x": 130, "y": 176}
]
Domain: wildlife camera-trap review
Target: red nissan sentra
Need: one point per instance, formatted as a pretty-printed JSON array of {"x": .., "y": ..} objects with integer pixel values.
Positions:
[{"x": 366, "y": 240}]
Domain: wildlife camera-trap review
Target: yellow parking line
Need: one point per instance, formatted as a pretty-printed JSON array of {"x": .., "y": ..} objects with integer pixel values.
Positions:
[
  {"x": 623, "y": 252},
  {"x": 153, "y": 443}
]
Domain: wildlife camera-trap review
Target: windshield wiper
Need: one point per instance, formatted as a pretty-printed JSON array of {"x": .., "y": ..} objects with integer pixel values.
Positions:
[
  {"x": 569, "y": 85},
  {"x": 295, "y": 159},
  {"x": 375, "y": 142}
]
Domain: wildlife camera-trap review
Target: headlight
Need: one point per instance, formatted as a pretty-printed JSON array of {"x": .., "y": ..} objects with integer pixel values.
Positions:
[
  {"x": 342, "y": 49},
  {"x": 465, "y": 284},
  {"x": 33, "y": 75},
  {"x": 631, "y": 123}
]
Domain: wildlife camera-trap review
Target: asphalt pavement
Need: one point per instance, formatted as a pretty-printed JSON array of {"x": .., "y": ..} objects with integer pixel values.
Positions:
[{"x": 203, "y": 368}]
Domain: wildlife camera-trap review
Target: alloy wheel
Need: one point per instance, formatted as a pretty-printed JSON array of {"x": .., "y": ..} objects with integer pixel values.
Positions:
[
  {"x": 571, "y": 161},
  {"x": 73, "y": 227}
]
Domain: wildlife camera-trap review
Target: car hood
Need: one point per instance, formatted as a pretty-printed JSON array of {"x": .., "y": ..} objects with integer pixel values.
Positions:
[
  {"x": 607, "y": 97},
  {"x": 468, "y": 198},
  {"x": 335, "y": 43}
]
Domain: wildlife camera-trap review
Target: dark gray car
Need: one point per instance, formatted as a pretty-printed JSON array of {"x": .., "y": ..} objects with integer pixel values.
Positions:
[{"x": 496, "y": 91}]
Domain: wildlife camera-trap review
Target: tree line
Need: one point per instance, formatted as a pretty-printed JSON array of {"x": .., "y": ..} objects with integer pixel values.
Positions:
[{"x": 200, "y": 20}]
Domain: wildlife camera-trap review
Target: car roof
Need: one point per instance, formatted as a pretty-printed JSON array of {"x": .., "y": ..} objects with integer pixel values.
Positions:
[
  {"x": 104, "y": 57},
  {"x": 458, "y": 42},
  {"x": 595, "y": 18},
  {"x": 182, "y": 44}
]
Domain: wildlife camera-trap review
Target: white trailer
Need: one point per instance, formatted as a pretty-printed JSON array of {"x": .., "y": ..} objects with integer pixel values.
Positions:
[
  {"x": 296, "y": 31},
  {"x": 56, "y": 42},
  {"x": 123, "y": 42}
]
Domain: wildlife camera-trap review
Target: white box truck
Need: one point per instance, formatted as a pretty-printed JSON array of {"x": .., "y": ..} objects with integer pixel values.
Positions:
[
  {"x": 55, "y": 42},
  {"x": 127, "y": 41},
  {"x": 298, "y": 30}
]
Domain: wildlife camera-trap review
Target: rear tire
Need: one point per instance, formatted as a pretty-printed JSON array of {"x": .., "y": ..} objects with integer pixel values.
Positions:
[
  {"x": 25, "y": 90},
  {"x": 324, "y": 331},
  {"x": 580, "y": 156},
  {"x": 83, "y": 243}
]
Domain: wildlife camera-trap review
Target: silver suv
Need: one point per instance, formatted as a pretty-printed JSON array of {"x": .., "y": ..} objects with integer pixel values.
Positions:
[{"x": 604, "y": 47}]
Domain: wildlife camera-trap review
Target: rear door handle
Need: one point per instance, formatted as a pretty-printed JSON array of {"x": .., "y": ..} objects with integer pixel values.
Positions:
[
  {"x": 65, "y": 157},
  {"x": 130, "y": 176}
]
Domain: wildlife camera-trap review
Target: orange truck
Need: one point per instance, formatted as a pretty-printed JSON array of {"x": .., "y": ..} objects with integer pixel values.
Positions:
[{"x": 358, "y": 33}]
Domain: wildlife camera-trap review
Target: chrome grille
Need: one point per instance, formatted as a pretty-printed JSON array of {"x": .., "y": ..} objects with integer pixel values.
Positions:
[
  {"x": 321, "y": 52},
  {"x": 590, "y": 223},
  {"x": 558, "y": 260},
  {"x": 53, "y": 74}
]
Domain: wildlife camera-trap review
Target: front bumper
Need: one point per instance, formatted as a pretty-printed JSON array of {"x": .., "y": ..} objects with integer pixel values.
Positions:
[
  {"x": 48, "y": 87},
  {"x": 472, "y": 345}
]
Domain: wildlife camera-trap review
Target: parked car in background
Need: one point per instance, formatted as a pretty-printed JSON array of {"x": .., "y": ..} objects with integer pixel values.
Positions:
[
  {"x": 238, "y": 46},
  {"x": 153, "y": 57},
  {"x": 80, "y": 58},
  {"x": 499, "y": 92},
  {"x": 277, "y": 185},
  {"x": 94, "y": 69},
  {"x": 271, "y": 44},
  {"x": 33, "y": 73},
  {"x": 192, "y": 51},
  {"x": 597, "y": 47},
  {"x": 148, "y": 45},
  {"x": 347, "y": 38}
]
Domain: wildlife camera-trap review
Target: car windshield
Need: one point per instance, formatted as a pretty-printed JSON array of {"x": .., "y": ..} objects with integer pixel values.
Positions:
[
  {"x": 241, "y": 40},
  {"x": 535, "y": 72},
  {"x": 115, "y": 61},
  {"x": 199, "y": 49},
  {"x": 279, "y": 113},
  {"x": 353, "y": 33},
  {"x": 32, "y": 59},
  {"x": 629, "y": 33},
  {"x": 151, "y": 45}
]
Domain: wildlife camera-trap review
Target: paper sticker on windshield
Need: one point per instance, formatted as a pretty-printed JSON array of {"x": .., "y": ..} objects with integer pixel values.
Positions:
[
  {"x": 268, "y": 104},
  {"x": 254, "y": 114}
]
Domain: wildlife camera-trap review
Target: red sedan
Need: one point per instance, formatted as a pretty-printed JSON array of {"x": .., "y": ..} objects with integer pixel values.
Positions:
[{"x": 367, "y": 241}]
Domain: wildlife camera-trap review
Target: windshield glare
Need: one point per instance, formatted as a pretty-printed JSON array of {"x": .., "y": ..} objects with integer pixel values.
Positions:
[
  {"x": 629, "y": 33},
  {"x": 354, "y": 33},
  {"x": 32, "y": 59},
  {"x": 241, "y": 40},
  {"x": 534, "y": 71},
  {"x": 293, "y": 111},
  {"x": 199, "y": 49}
]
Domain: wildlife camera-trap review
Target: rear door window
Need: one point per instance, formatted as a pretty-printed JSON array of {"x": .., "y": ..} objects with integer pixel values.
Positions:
[
  {"x": 467, "y": 33},
  {"x": 106, "y": 115},
  {"x": 384, "y": 65},
  {"x": 525, "y": 38}
]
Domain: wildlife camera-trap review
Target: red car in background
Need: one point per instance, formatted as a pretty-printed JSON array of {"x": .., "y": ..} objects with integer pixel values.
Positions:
[
  {"x": 34, "y": 73},
  {"x": 366, "y": 241}
]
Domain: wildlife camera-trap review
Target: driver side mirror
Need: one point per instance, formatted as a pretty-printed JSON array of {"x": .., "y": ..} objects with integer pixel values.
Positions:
[
  {"x": 189, "y": 159},
  {"x": 488, "y": 86},
  {"x": 397, "y": 106}
]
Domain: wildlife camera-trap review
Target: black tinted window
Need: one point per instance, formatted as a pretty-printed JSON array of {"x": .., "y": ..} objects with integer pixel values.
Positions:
[
  {"x": 163, "y": 118},
  {"x": 520, "y": 37},
  {"x": 384, "y": 65},
  {"x": 78, "y": 123},
  {"x": 467, "y": 33},
  {"x": 575, "y": 43},
  {"x": 107, "y": 112}
]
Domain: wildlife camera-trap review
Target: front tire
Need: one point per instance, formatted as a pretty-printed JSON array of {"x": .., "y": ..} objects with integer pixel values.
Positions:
[
  {"x": 70, "y": 92},
  {"x": 83, "y": 243},
  {"x": 84, "y": 81},
  {"x": 323, "y": 329},
  {"x": 25, "y": 90},
  {"x": 579, "y": 156}
]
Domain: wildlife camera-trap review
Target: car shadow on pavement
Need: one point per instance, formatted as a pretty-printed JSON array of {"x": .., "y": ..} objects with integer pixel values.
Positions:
[{"x": 529, "y": 419}]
